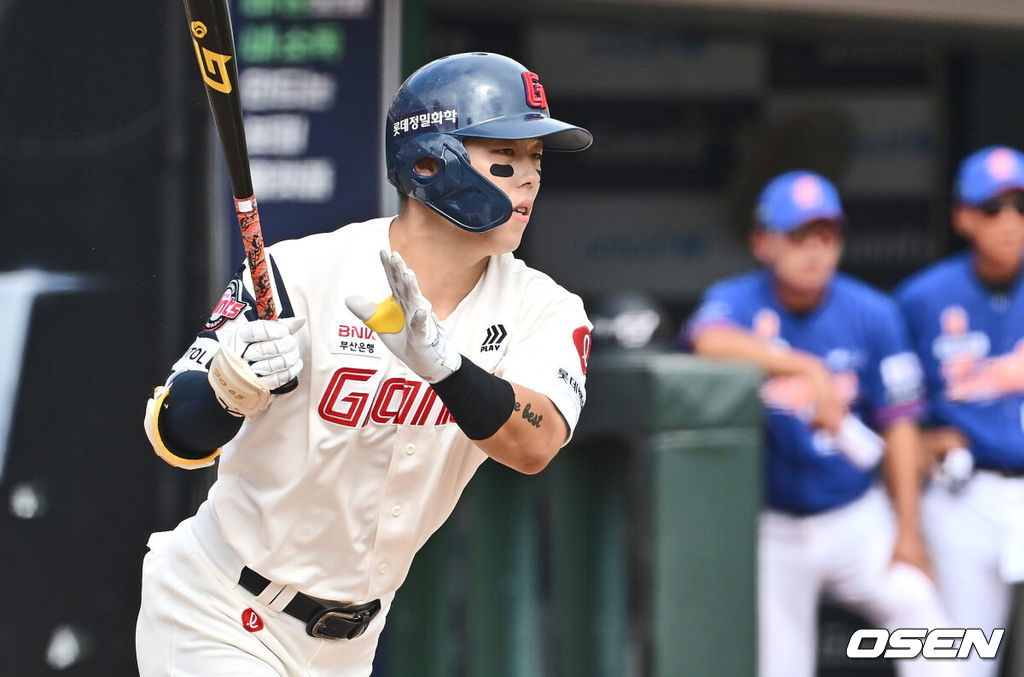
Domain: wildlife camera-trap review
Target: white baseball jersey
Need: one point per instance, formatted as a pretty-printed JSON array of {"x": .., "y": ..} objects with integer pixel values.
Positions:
[{"x": 337, "y": 484}]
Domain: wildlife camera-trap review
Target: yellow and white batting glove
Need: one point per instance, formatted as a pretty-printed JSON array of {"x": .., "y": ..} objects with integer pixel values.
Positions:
[
  {"x": 407, "y": 325},
  {"x": 254, "y": 359}
]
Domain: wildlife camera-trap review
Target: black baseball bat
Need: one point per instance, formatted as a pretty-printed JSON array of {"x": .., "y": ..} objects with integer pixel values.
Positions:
[{"x": 209, "y": 23}]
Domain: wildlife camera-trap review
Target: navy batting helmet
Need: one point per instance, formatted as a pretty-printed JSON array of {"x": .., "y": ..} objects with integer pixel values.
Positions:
[{"x": 480, "y": 95}]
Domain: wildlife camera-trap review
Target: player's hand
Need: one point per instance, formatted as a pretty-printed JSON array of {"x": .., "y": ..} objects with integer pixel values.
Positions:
[
  {"x": 947, "y": 458},
  {"x": 938, "y": 442},
  {"x": 828, "y": 410},
  {"x": 910, "y": 549},
  {"x": 254, "y": 359},
  {"x": 407, "y": 325}
]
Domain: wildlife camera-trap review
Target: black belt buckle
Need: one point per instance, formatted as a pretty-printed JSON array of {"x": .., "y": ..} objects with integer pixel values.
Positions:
[{"x": 342, "y": 622}]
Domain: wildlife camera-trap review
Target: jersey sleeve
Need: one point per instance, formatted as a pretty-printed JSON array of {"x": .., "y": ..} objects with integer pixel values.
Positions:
[
  {"x": 720, "y": 306},
  {"x": 895, "y": 383},
  {"x": 184, "y": 421},
  {"x": 549, "y": 353},
  {"x": 236, "y": 305}
]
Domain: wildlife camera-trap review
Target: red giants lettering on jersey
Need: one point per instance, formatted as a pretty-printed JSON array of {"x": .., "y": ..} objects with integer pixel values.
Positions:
[
  {"x": 394, "y": 400},
  {"x": 229, "y": 307},
  {"x": 344, "y": 401},
  {"x": 345, "y": 410},
  {"x": 581, "y": 337}
]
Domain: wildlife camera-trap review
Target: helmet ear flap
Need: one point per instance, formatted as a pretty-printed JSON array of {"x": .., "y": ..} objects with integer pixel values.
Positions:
[{"x": 456, "y": 190}]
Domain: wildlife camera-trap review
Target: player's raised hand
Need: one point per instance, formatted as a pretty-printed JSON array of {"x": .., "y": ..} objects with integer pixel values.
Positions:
[
  {"x": 406, "y": 323},
  {"x": 254, "y": 359}
]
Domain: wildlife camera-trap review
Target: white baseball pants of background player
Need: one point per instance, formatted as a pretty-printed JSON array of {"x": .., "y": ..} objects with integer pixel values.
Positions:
[
  {"x": 845, "y": 553},
  {"x": 977, "y": 543},
  {"x": 190, "y": 602}
]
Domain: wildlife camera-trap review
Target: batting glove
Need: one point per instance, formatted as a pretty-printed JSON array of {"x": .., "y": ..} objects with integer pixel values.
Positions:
[
  {"x": 254, "y": 359},
  {"x": 955, "y": 469},
  {"x": 407, "y": 325}
]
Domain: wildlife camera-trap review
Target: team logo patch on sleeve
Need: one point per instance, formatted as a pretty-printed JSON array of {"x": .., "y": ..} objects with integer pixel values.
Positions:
[
  {"x": 581, "y": 337},
  {"x": 229, "y": 307}
]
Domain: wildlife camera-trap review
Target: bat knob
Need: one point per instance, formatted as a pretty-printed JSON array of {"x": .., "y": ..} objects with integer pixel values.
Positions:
[{"x": 286, "y": 388}]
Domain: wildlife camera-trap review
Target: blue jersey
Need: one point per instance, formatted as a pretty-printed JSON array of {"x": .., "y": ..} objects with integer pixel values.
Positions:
[
  {"x": 859, "y": 334},
  {"x": 971, "y": 343}
]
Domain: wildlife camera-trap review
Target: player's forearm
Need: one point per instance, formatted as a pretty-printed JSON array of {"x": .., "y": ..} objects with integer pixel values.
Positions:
[
  {"x": 734, "y": 343},
  {"x": 937, "y": 442},
  {"x": 901, "y": 467},
  {"x": 512, "y": 424},
  {"x": 531, "y": 436}
]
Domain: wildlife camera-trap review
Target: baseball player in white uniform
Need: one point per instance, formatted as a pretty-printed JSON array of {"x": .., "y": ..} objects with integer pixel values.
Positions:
[{"x": 421, "y": 347}]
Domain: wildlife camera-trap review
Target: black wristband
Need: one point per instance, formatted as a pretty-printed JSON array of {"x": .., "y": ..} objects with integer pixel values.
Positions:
[
  {"x": 479, "y": 402},
  {"x": 193, "y": 423}
]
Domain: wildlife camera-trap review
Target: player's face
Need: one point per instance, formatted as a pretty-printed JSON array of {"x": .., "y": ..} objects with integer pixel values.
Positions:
[
  {"x": 996, "y": 229},
  {"x": 804, "y": 259},
  {"x": 514, "y": 167}
]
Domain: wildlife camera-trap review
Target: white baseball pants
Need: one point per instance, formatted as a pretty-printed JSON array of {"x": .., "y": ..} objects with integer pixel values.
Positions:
[
  {"x": 845, "y": 553},
  {"x": 977, "y": 543},
  {"x": 192, "y": 619}
]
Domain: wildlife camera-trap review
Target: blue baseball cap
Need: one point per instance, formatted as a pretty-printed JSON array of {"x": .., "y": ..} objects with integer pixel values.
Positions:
[
  {"x": 987, "y": 173},
  {"x": 792, "y": 199}
]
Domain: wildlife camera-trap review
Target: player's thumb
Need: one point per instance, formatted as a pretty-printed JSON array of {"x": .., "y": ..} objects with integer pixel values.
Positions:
[
  {"x": 360, "y": 307},
  {"x": 293, "y": 324},
  {"x": 385, "y": 317}
]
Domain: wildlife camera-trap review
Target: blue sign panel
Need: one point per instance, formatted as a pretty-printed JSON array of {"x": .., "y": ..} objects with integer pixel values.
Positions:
[{"x": 310, "y": 75}]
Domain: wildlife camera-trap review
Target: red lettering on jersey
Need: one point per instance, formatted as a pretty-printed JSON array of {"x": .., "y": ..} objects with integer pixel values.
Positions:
[
  {"x": 445, "y": 417},
  {"x": 251, "y": 621},
  {"x": 420, "y": 417},
  {"x": 228, "y": 306},
  {"x": 352, "y": 331},
  {"x": 355, "y": 401},
  {"x": 581, "y": 337},
  {"x": 385, "y": 410},
  {"x": 395, "y": 399},
  {"x": 535, "y": 96}
]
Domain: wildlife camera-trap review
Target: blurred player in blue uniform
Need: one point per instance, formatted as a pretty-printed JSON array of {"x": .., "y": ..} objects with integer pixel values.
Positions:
[
  {"x": 842, "y": 396},
  {"x": 965, "y": 315}
]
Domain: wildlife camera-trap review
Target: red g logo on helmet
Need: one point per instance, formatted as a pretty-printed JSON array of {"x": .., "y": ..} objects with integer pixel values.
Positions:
[
  {"x": 535, "y": 96},
  {"x": 581, "y": 337}
]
